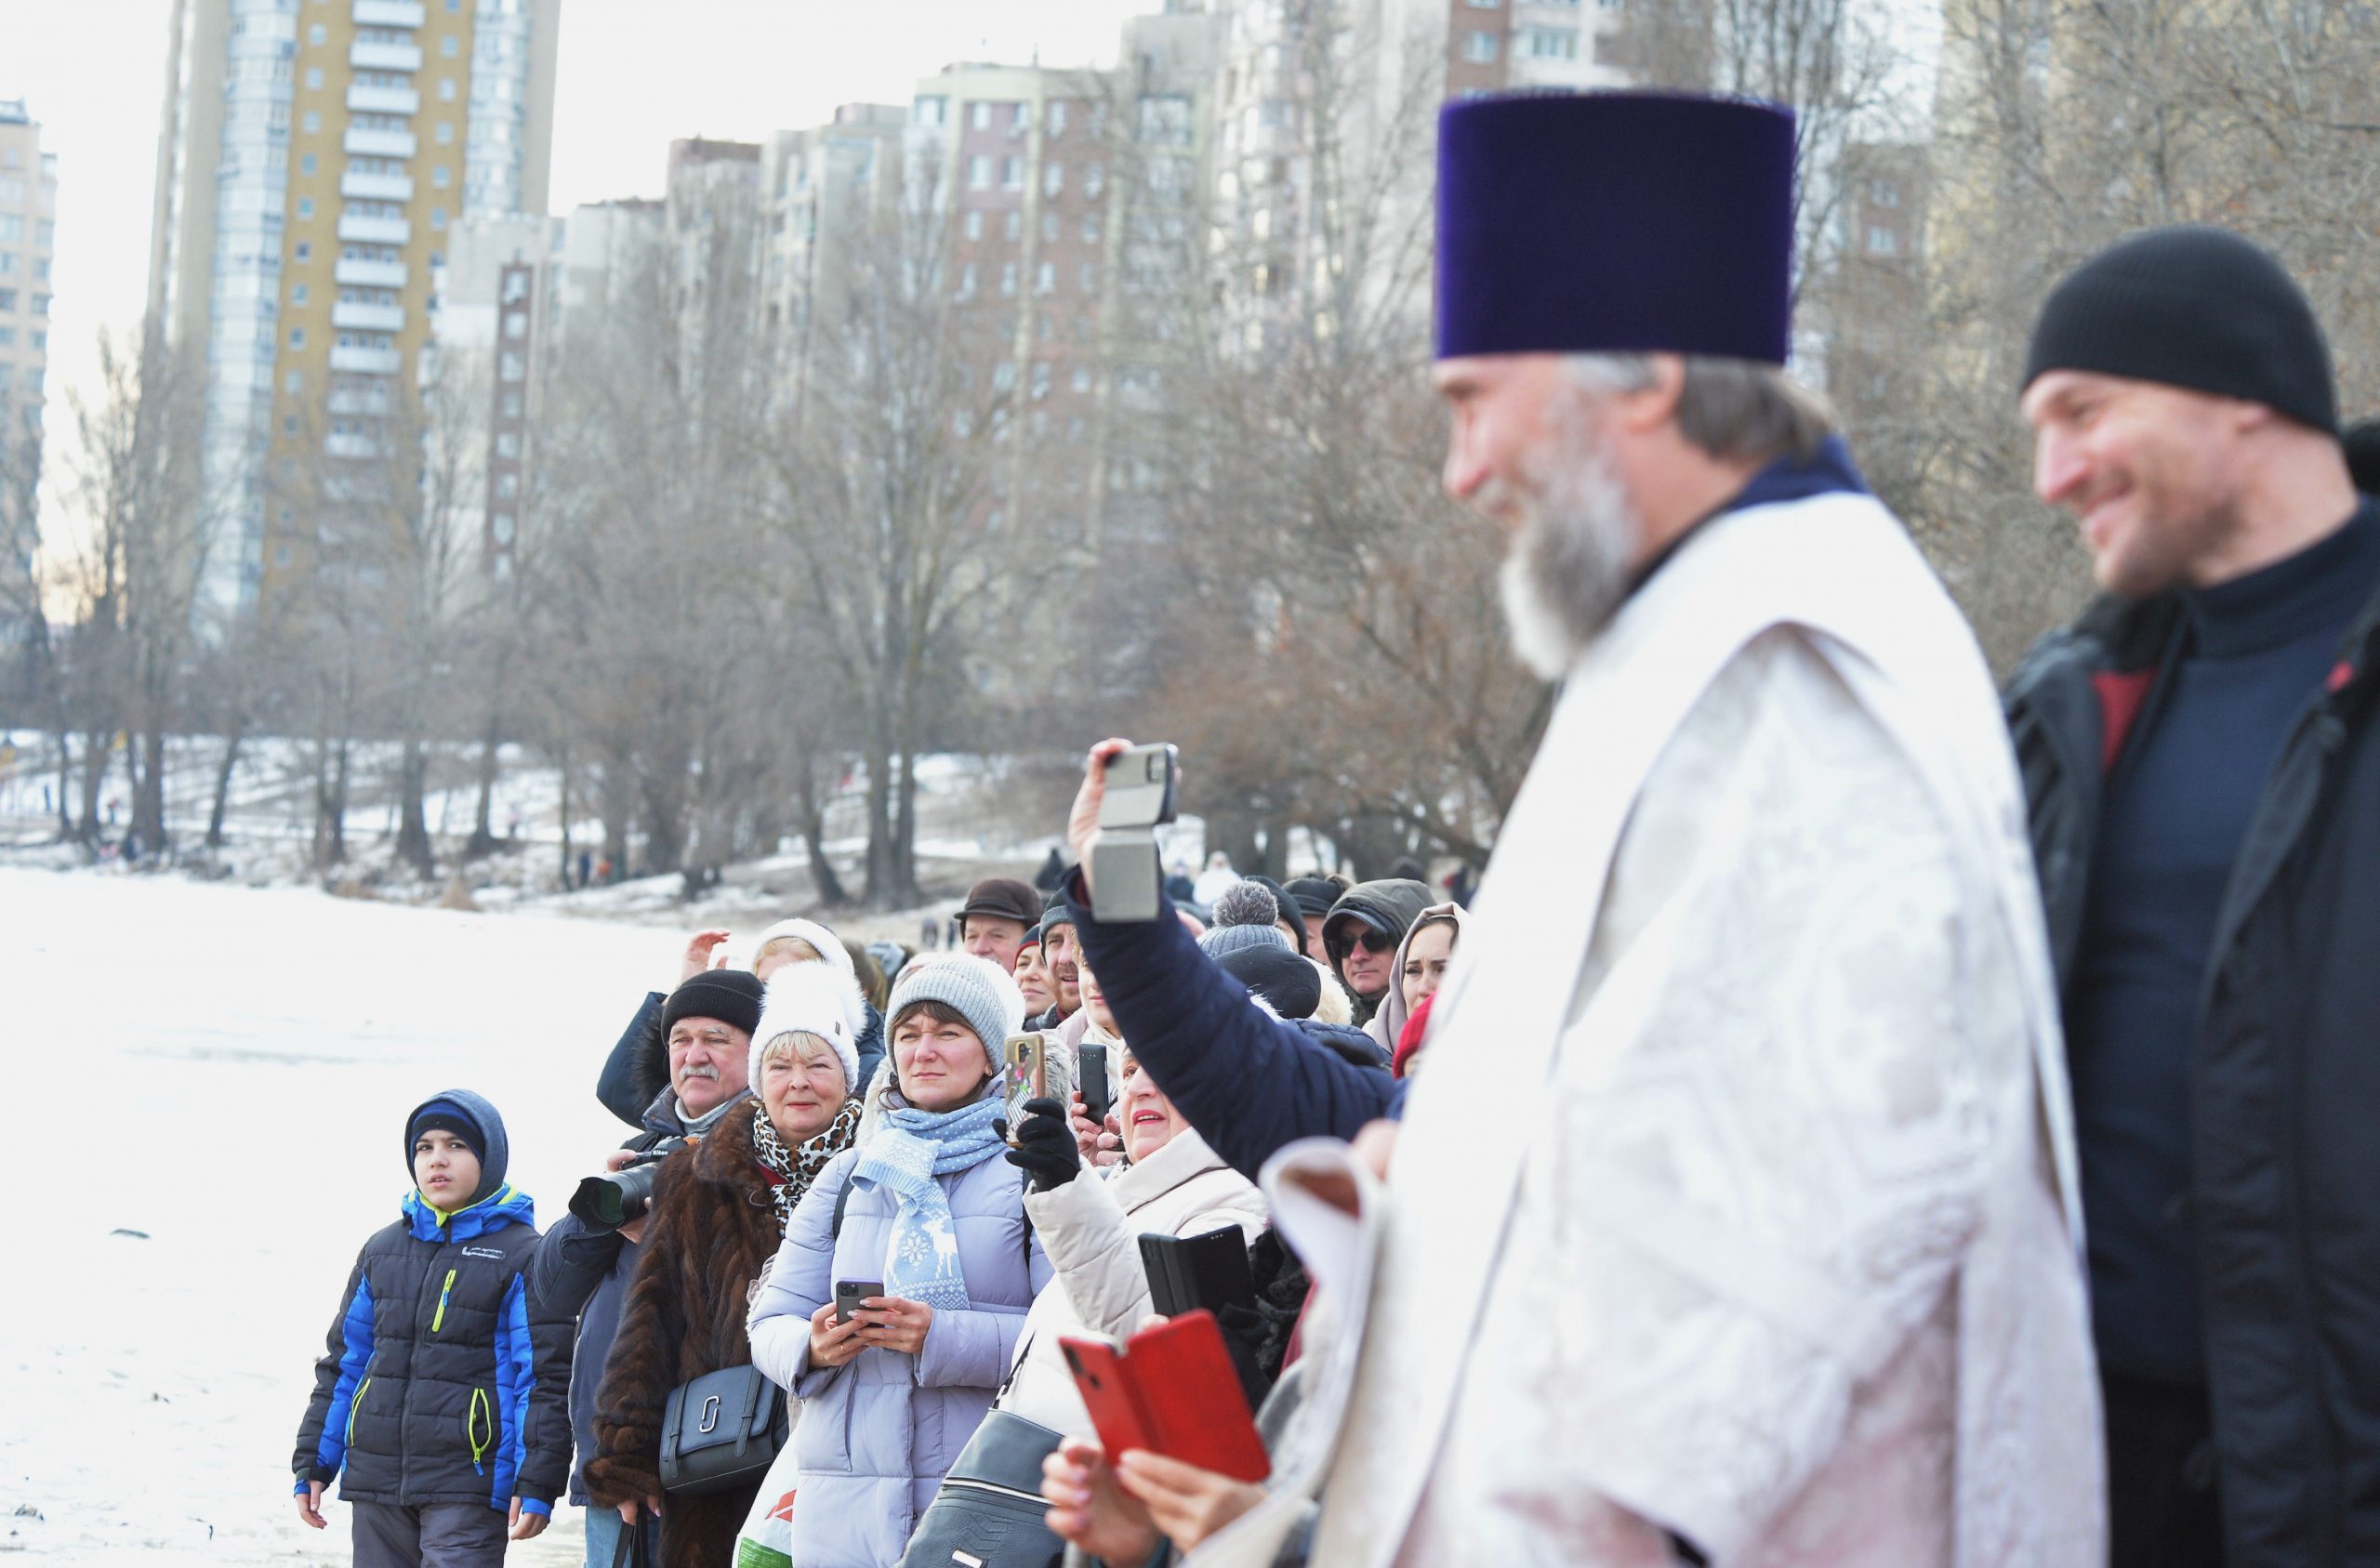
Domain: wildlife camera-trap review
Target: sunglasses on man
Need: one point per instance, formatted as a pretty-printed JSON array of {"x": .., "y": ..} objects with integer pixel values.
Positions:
[{"x": 1374, "y": 942}]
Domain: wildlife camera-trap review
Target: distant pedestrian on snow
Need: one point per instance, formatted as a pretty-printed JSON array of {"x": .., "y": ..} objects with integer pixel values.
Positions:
[
  {"x": 1215, "y": 881},
  {"x": 930, "y": 934},
  {"x": 440, "y": 1405}
]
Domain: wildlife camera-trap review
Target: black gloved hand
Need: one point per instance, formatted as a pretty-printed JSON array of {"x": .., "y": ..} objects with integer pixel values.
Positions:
[{"x": 1044, "y": 1146}]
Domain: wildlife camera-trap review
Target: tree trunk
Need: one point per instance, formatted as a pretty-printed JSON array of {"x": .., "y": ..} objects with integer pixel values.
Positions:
[
  {"x": 561, "y": 812},
  {"x": 882, "y": 872},
  {"x": 98, "y": 746},
  {"x": 828, "y": 885},
  {"x": 149, "y": 787},
  {"x": 413, "y": 823},
  {"x": 65, "y": 783},
  {"x": 231, "y": 739},
  {"x": 483, "y": 817}
]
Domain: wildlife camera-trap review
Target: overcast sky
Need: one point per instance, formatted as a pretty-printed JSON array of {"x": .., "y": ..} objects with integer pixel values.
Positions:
[{"x": 633, "y": 75}]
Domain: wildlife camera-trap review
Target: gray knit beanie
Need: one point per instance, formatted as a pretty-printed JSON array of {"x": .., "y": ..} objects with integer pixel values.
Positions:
[
  {"x": 980, "y": 991},
  {"x": 1244, "y": 917}
]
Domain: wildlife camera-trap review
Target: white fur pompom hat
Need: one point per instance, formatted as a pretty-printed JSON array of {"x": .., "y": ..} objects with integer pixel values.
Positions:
[{"x": 812, "y": 999}]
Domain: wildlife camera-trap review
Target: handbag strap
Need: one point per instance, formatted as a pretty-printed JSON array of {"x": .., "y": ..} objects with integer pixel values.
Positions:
[{"x": 629, "y": 1551}]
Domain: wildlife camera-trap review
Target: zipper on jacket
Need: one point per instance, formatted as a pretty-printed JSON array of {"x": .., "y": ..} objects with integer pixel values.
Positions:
[
  {"x": 353, "y": 1405},
  {"x": 471, "y": 1428},
  {"x": 444, "y": 1291}
]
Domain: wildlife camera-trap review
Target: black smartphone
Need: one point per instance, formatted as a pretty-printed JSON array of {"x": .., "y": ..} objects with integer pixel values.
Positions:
[
  {"x": 1098, "y": 1091},
  {"x": 849, "y": 1294}
]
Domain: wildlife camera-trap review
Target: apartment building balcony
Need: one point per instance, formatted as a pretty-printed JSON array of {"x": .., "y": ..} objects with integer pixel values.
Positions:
[
  {"x": 362, "y": 231},
  {"x": 344, "y": 401},
  {"x": 366, "y": 99},
  {"x": 354, "y": 446},
  {"x": 367, "y": 362},
  {"x": 380, "y": 144},
  {"x": 390, "y": 13},
  {"x": 367, "y": 318},
  {"x": 376, "y": 187},
  {"x": 366, "y": 55},
  {"x": 370, "y": 275}
]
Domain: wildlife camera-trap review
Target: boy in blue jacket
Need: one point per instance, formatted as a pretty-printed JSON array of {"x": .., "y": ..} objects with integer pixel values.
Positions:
[{"x": 442, "y": 1396}]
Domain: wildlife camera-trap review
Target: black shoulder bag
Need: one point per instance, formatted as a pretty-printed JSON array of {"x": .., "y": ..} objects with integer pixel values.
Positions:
[{"x": 721, "y": 1430}]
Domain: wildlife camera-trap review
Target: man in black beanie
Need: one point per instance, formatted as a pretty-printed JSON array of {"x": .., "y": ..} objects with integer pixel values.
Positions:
[{"x": 2202, "y": 769}]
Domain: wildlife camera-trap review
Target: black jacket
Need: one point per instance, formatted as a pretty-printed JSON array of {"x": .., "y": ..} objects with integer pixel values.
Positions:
[
  {"x": 2285, "y": 1197},
  {"x": 638, "y": 1068},
  {"x": 443, "y": 1382}
]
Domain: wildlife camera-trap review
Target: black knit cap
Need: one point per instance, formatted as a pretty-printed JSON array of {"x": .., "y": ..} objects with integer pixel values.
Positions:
[
  {"x": 2362, "y": 444},
  {"x": 2191, "y": 306},
  {"x": 733, "y": 996},
  {"x": 1291, "y": 984}
]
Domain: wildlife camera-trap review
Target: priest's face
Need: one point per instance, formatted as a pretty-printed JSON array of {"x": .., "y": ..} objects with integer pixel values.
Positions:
[{"x": 1528, "y": 448}]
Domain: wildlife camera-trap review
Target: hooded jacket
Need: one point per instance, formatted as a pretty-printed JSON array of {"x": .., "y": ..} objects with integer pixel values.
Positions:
[
  {"x": 442, "y": 1382},
  {"x": 1091, "y": 1228},
  {"x": 1392, "y": 905},
  {"x": 878, "y": 1434},
  {"x": 1387, "y": 1025},
  {"x": 2283, "y": 1080}
]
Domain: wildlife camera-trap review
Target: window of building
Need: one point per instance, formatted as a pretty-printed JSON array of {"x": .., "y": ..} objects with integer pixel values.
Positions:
[
  {"x": 305, "y": 206},
  {"x": 507, "y": 443},
  {"x": 313, "y": 122},
  {"x": 7, "y": 336},
  {"x": 1094, "y": 180},
  {"x": 516, "y": 326},
  {"x": 297, "y": 336},
  {"x": 11, "y": 226},
  {"x": 446, "y": 89},
  {"x": 441, "y": 176},
  {"x": 967, "y": 281},
  {"x": 7, "y": 299},
  {"x": 1883, "y": 240},
  {"x": 317, "y": 35},
  {"x": 1012, "y": 225},
  {"x": 1045, "y": 278},
  {"x": 444, "y": 133},
  {"x": 45, "y": 232},
  {"x": 8, "y": 262},
  {"x": 41, "y": 269},
  {"x": 1011, "y": 173},
  {"x": 306, "y": 163},
  {"x": 508, "y": 485},
  {"x": 1091, "y": 227},
  {"x": 1057, "y": 119},
  {"x": 305, "y": 251},
  {"x": 294, "y": 382},
  {"x": 1007, "y": 280},
  {"x": 1053, "y": 178},
  {"x": 1483, "y": 5},
  {"x": 288, "y": 424},
  {"x": 979, "y": 172},
  {"x": 512, "y": 405},
  {"x": 931, "y": 110},
  {"x": 450, "y": 45},
  {"x": 979, "y": 115},
  {"x": 1883, "y": 192},
  {"x": 298, "y": 294},
  {"x": 1480, "y": 47},
  {"x": 314, "y": 78},
  {"x": 1165, "y": 119},
  {"x": 973, "y": 224},
  {"x": 511, "y": 367},
  {"x": 1550, "y": 42},
  {"x": 438, "y": 218}
]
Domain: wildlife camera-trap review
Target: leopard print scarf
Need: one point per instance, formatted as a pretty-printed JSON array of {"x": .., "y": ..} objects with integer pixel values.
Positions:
[{"x": 799, "y": 1167}]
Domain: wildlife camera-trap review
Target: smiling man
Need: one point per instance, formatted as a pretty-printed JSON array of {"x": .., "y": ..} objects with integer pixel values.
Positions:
[{"x": 2204, "y": 778}]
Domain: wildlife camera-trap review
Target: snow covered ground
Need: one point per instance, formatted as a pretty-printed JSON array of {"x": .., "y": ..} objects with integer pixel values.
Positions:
[{"x": 224, "y": 1070}]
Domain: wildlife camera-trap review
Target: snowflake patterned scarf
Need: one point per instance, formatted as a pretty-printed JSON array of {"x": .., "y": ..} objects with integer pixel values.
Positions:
[
  {"x": 908, "y": 1151},
  {"x": 797, "y": 1168}
]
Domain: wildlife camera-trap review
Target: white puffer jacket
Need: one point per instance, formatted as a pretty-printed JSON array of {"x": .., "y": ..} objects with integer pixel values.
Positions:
[{"x": 1090, "y": 1228}]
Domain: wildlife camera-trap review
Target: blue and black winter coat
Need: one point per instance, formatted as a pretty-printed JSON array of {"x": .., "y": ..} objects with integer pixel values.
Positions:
[{"x": 441, "y": 1383}]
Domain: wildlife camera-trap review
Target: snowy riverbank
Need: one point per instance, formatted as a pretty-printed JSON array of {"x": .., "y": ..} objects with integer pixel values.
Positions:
[{"x": 225, "y": 1070}]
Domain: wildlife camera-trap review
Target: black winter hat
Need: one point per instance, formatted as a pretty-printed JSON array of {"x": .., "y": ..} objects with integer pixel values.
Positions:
[
  {"x": 1314, "y": 896},
  {"x": 733, "y": 996},
  {"x": 2364, "y": 456},
  {"x": 1291, "y": 984},
  {"x": 1056, "y": 913},
  {"x": 2192, "y": 306},
  {"x": 1288, "y": 907}
]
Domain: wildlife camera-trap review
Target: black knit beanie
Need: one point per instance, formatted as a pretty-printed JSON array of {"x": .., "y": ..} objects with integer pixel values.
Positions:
[
  {"x": 2364, "y": 456},
  {"x": 733, "y": 996},
  {"x": 2191, "y": 306}
]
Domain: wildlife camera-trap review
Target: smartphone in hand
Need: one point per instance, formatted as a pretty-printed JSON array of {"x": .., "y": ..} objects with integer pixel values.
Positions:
[{"x": 849, "y": 1294}]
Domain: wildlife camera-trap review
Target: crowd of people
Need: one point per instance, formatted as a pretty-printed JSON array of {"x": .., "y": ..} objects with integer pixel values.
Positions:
[{"x": 1858, "y": 1122}]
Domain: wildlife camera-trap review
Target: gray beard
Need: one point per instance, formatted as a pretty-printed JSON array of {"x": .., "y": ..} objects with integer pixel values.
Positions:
[{"x": 1567, "y": 571}]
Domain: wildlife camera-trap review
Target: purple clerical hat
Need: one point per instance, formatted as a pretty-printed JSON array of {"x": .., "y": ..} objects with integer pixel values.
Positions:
[{"x": 1615, "y": 223}]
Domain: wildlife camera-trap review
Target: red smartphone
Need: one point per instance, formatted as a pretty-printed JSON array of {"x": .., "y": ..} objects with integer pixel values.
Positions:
[{"x": 1172, "y": 1390}]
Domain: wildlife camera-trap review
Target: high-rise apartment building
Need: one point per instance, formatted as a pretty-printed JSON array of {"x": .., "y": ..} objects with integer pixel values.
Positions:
[
  {"x": 315, "y": 157},
  {"x": 28, "y": 226}
]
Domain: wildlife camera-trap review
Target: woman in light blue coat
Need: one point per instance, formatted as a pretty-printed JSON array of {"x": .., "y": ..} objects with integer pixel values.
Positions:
[{"x": 891, "y": 1397}]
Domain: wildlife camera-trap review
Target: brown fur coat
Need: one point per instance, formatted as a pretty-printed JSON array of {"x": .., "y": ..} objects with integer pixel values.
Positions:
[{"x": 712, "y": 1227}]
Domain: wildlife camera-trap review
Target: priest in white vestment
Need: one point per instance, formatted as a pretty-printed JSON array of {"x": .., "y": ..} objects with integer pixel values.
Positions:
[{"x": 1731, "y": 1218}]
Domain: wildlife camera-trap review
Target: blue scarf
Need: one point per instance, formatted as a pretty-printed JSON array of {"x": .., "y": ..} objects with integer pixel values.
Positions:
[{"x": 911, "y": 1148}]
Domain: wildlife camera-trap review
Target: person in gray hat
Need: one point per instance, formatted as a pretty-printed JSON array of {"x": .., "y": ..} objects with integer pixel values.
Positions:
[{"x": 993, "y": 921}]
